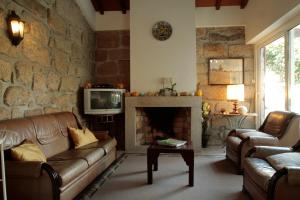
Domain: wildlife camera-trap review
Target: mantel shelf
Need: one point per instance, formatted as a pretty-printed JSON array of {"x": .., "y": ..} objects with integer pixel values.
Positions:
[{"x": 164, "y": 101}]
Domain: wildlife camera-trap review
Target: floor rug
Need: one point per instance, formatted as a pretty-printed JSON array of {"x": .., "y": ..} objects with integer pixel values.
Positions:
[
  {"x": 215, "y": 179},
  {"x": 99, "y": 181}
]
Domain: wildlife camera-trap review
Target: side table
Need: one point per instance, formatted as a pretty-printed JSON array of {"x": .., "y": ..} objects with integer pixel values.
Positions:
[{"x": 234, "y": 121}]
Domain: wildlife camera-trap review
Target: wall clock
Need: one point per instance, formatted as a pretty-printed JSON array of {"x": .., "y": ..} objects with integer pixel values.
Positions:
[{"x": 162, "y": 30}]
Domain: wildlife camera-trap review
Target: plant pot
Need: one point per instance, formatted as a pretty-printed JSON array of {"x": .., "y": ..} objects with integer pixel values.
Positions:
[
  {"x": 205, "y": 138},
  {"x": 205, "y": 135}
]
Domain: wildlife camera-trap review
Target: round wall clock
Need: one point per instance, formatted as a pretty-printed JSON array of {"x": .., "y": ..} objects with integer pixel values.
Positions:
[{"x": 161, "y": 30}]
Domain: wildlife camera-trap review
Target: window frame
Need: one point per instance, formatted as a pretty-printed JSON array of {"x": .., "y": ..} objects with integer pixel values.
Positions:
[{"x": 259, "y": 57}]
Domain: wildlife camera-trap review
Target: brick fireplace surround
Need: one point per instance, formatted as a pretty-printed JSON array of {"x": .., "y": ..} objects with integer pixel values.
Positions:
[
  {"x": 154, "y": 122},
  {"x": 132, "y": 105}
]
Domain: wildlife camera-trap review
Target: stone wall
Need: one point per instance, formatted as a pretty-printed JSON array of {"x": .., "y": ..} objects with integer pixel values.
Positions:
[
  {"x": 224, "y": 43},
  {"x": 43, "y": 74},
  {"x": 112, "y": 58}
]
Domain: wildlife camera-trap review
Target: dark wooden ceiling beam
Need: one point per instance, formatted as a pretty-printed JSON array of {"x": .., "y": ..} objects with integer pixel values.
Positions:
[
  {"x": 244, "y": 3},
  {"x": 123, "y": 6},
  {"x": 98, "y": 6},
  {"x": 218, "y": 4}
]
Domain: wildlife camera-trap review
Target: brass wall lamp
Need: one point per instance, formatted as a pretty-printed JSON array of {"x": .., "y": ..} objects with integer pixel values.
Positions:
[{"x": 15, "y": 28}]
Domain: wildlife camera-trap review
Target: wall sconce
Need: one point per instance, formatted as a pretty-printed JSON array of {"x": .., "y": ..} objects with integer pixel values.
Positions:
[
  {"x": 235, "y": 93},
  {"x": 15, "y": 28}
]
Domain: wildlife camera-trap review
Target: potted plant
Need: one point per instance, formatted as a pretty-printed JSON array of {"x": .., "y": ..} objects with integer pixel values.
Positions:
[{"x": 205, "y": 123}]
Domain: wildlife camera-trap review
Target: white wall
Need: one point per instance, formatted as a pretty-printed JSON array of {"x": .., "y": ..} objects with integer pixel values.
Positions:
[
  {"x": 112, "y": 20},
  {"x": 259, "y": 15},
  {"x": 152, "y": 59},
  {"x": 226, "y": 16},
  {"x": 88, "y": 12}
]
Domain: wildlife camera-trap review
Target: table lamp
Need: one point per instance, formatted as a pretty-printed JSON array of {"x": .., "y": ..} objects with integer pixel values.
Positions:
[{"x": 235, "y": 93}]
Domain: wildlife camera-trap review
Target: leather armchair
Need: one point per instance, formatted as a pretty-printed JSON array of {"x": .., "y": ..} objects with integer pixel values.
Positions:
[
  {"x": 279, "y": 129},
  {"x": 272, "y": 173}
]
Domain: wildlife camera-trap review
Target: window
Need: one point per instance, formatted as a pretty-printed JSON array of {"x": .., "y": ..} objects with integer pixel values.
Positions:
[
  {"x": 280, "y": 73},
  {"x": 295, "y": 69},
  {"x": 274, "y": 76}
]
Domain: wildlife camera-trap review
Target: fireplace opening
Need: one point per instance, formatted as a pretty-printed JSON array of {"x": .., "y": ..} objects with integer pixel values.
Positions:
[{"x": 162, "y": 122}]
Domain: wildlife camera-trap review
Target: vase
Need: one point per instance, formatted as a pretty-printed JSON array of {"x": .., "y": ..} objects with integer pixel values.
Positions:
[{"x": 205, "y": 135}]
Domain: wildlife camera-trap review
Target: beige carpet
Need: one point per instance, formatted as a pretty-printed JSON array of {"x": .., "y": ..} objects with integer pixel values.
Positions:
[{"x": 214, "y": 180}]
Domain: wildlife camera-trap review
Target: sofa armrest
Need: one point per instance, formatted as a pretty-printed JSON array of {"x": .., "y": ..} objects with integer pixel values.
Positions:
[
  {"x": 293, "y": 175},
  {"x": 260, "y": 141},
  {"x": 110, "y": 145},
  {"x": 264, "y": 151},
  {"x": 236, "y": 132},
  {"x": 23, "y": 169}
]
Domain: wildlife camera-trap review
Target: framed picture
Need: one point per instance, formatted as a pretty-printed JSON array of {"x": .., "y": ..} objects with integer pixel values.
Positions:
[{"x": 226, "y": 71}]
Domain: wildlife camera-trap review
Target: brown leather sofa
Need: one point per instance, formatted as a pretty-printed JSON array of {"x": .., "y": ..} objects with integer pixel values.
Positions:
[
  {"x": 272, "y": 173},
  {"x": 67, "y": 171},
  {"x": 279, "y": 129}
]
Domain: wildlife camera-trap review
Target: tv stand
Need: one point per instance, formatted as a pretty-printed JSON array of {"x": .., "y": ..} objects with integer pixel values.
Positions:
[{"x": 114, "y": 125}]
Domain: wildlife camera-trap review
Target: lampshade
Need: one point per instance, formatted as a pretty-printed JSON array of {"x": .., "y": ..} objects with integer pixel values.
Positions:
[
  {"x": 15, "y": 28},
  {"x": 235, "y": 92}
]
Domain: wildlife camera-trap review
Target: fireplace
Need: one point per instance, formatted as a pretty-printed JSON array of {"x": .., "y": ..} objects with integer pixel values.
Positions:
[
  {"x": 162, "y": 122},
  {"x": 147, "y": 118}
]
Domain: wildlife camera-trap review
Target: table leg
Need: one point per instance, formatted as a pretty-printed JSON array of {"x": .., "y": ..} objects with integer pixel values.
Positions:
[
  {"x": 188, "y": 157},
  {"x": 149, "y": 167},
  {"x": 191, "y": 173},
  {"x": 156, "y": 162},
  {"x": 152, "y": 158}
]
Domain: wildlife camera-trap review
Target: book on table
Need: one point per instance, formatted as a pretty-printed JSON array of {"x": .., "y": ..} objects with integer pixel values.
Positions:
[{"x": 171, "y": 142}]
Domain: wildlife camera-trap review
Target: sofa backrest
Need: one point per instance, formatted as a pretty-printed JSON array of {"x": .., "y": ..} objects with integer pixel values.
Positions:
[
  {"x": 292, "y": 133},
  {"x": 48, "y": 131},
  {"x": 276, "y": 123}
]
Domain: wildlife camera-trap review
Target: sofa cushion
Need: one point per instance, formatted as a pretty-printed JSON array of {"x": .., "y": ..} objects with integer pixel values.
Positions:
[
  {"x": 233, "y": 143},
  {"x": 81, "y": 137},
  {"x": 68, "y": 170},
  {"x": 279, "y": 161},
  {"x": 89, "y": 155},
  {"x": 28, "y": 151},
  {"x": 107, "y": 145},
  {"x": 260, "y": 171}
]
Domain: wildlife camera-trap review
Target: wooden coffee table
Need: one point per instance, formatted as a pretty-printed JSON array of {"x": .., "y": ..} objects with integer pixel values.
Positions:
[{"x": 186, "y": 152}]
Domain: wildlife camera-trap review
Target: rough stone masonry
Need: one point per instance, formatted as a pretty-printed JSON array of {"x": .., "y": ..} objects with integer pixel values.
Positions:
[
  {"x": 224, "y": 42},
  {"x": 44, "y": 73}
]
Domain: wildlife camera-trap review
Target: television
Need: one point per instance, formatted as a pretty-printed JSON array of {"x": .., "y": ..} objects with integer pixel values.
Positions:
[{"x": 98, "y": 101}]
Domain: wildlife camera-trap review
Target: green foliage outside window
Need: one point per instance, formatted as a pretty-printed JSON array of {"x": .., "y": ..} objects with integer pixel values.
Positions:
[{"x": 275, "y": 60}]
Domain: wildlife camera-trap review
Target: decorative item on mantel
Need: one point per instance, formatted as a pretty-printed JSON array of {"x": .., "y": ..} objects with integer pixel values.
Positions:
[
  {"x": 134, "y": 94},
  {"x": 167, "y": 91},
  {"x": 199, "y": 93}
]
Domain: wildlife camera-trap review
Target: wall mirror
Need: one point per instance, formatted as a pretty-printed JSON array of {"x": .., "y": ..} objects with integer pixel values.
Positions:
[{"x": 226, "y": 71}]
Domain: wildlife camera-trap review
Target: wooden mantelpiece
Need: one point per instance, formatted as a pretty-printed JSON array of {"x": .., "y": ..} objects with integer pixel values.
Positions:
[{"x": 131, "y": 103}]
